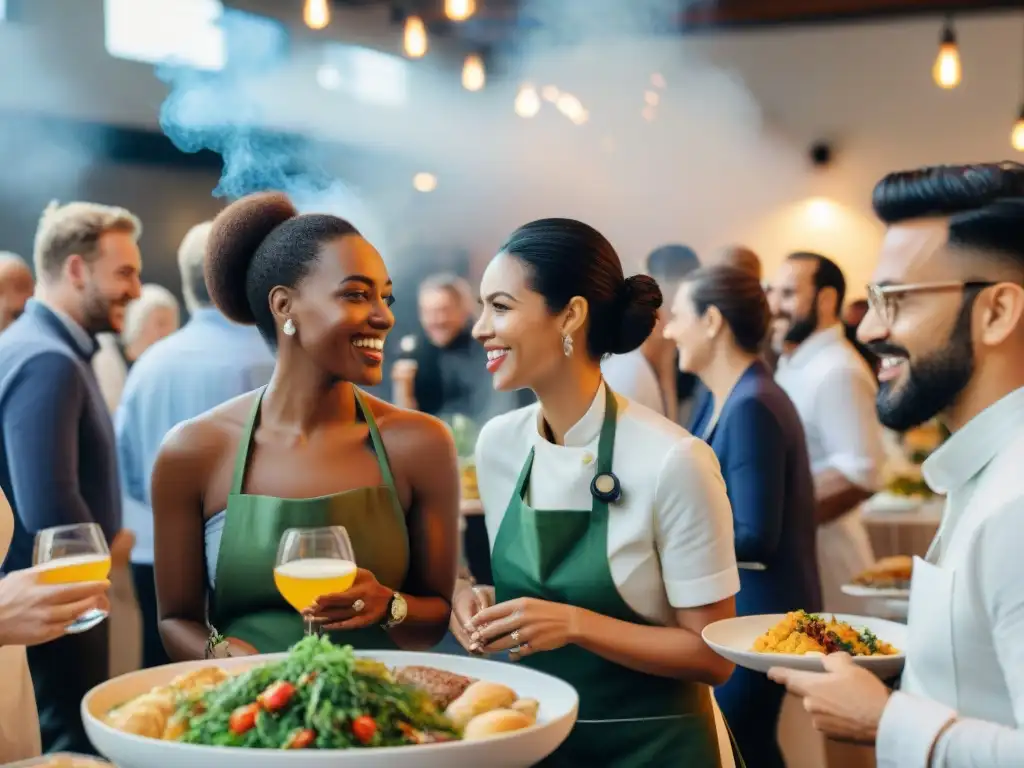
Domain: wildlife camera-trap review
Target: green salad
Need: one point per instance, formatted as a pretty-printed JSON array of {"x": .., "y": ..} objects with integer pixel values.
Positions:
[{"x": 320, "y": 697}]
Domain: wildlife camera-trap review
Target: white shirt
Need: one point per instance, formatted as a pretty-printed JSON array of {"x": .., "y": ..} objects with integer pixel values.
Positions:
[
  {"x": 632, "y": 376},
  {"x": 834, "y": 392},
  {"x": 965, "y": 655},
  {"x": 110, "y": 369},
  {"x": 19, "y": 725},
  {"x": 670, "y": 537}
]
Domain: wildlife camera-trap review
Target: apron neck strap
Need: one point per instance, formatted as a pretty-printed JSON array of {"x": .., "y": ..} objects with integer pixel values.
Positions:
[
  {"x": 378, "y": 443},
  {"x": 605, "y": 444},
  {"x": 242, "y": 460}
]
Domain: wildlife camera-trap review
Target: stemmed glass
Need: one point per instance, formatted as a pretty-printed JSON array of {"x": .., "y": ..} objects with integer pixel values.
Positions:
[
  {"x": 70, "y": 554},
  {"x": 312, "y": 562}
]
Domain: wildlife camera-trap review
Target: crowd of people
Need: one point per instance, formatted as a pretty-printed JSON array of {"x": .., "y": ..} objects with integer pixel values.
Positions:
[{"x": 658, "y": 452}]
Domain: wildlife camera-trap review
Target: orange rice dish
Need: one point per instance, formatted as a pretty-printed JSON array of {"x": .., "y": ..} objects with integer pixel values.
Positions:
[{"x": 801, "y": 633}]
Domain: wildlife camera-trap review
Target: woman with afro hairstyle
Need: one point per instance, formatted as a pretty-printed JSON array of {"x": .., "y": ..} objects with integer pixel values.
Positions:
[{"x": 310, "y": 449}]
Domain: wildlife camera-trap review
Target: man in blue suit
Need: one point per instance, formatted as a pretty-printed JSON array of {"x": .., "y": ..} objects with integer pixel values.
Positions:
[{"x": 58, "y": 462}]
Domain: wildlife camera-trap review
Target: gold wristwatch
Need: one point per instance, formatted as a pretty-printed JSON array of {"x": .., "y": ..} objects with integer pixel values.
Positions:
[{"x": 398, "y": 609}]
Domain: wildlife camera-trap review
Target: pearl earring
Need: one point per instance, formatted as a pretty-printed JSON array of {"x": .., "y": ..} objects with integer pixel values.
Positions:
[
  {"x": 289, "y": 327},
  {"x": 567, "y": 345}
]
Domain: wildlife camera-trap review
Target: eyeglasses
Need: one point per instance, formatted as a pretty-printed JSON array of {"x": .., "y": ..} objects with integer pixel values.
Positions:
[{"x": 883, "y": 300}]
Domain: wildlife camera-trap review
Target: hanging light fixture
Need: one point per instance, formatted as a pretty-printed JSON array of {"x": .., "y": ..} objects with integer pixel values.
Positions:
[
  {"x": 527, "y": 102},
  {"x": 947, "y": 71},
  {"x": 459, "y": 10},
  {"x": 415, "y": 37},
  {"x": 474, "y": 76},
  {"x": 316, "y": 14}
]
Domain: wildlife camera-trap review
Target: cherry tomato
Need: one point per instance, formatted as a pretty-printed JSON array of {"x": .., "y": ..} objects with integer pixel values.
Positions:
[
  {"x": 300, "y": 739},
  {"x": 243, "y": 718},
  {"x": 276, "y": 696},
  {"x": 364, "y": 728}
]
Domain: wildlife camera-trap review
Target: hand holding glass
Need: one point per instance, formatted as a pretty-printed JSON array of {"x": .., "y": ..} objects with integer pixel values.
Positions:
[
  {"x": 71, "y": 554},
  {"x": 312, "y": 562}
]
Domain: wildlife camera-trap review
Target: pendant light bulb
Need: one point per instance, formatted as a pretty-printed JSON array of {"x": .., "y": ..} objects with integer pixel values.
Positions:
[
  {"x": 947, "y": 71},
  {"x": 527, "y": 102},
  {"x": 474, "y": 76},
  {"x": 415, "y": 38},
  {"x": 1017, "y": 135},
  {"x": 459, "y": 10},
  {"x": 316, "y": 14}
]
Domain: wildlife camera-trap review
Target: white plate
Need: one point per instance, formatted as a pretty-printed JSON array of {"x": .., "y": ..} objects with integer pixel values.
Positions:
[
  {"x": 860, "y": 590},
  {"x": 733, "y": 639},
  {"x": 519, "y": 749}
]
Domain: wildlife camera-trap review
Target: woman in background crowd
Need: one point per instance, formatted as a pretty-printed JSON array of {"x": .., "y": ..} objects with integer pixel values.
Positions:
[
  {"x": 610, "y": 527},
  {"x": 310, "y": 449},
  {"x": 720, "y": 319}
]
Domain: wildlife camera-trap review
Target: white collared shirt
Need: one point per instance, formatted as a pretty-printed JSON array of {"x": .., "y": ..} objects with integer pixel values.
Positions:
[
  {"x": 670, "y": 537},
  {"x": 834, "y": 392},
  {"x": 976, "y": 672}
]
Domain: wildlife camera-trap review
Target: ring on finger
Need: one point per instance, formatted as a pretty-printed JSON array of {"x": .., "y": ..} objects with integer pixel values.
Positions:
[
  {"x": 515, "y": 637},
  {"x": 358, "y": 606}
]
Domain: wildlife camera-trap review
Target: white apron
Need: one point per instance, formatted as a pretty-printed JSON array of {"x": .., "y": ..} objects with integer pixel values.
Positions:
[{"x": 19, "y": 723}]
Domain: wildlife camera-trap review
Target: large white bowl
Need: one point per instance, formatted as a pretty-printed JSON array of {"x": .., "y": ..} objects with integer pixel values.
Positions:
[
  {"x": 557, "y": 716},
  {"x": 734, "y": 638}
]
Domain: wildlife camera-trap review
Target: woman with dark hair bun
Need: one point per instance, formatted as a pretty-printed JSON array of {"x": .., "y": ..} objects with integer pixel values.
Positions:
[
  {"x": 610, "y": 528},
  {"x": 720, "y": 319},
  {"x": 308, "y": 450}
]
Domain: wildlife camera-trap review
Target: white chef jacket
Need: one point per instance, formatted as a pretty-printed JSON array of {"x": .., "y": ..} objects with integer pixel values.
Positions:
[
  {"x": 19, "y": 724},
  {"x": 965, "y": 655},
  {"x": 834, "y": 392},
  {"x": 670, "y": 536}
]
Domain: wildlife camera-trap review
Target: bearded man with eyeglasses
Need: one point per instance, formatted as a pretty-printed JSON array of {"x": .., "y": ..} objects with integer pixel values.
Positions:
[{"x": 946, "y": 318}]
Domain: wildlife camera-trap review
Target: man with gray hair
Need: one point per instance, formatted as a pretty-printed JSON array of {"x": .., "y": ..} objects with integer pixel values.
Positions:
[
  {"x": 209, "y": 361},
  {"x": 58, "y": 463},
  {"x": 151, "y": 317},
  {"x": 442, "y": 371},
  {"x": 16, "y": 286}
]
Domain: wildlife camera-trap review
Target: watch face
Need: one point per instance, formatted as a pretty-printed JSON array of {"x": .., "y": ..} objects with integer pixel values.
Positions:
[{"x": 399, "y": 608}]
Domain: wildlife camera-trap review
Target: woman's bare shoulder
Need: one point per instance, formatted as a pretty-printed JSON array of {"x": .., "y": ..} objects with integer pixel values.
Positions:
[
  {"x": 197, "y": 441},
  {"x": 409, "y": 430}
]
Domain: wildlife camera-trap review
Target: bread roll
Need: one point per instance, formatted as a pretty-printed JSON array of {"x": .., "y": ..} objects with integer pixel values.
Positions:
[
  {"x": 495, "y": 723},
  {"x": 528, "y": 707},
  {"x": 480, "y": 697}
]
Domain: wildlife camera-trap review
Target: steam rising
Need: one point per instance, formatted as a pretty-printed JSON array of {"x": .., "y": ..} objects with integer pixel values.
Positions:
[{"x": 692, "y": 175}]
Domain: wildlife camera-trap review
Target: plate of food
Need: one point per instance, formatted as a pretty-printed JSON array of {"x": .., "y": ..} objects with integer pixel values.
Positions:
[
  {"x": 800, "y": 640},
  {"x": 322, "y": 704},
  {"x": 888, "y": 578}
]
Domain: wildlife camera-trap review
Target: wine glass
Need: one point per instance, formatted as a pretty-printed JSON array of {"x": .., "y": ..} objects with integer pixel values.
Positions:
[
  {"x": 70, "y": 554},
  {"x": 312, "y": 562}
]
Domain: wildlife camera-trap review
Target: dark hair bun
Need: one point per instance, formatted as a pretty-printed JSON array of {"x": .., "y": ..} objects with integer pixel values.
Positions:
[
  {"x": 641, "y": 301},
  {"x": 236, "y": 235}
]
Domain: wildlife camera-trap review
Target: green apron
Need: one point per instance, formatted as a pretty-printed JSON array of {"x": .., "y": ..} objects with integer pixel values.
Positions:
[
  {"x": 626, "y": 719},
  {"x": 245, "y": 602}
]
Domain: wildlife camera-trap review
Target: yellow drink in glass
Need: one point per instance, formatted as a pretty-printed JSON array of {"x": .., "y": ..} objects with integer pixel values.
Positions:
[
  {"x": 74, "y": 569},
  {"x": 302, "y": 582}
]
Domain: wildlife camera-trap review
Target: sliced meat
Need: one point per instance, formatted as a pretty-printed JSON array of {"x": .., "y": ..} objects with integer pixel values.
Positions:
[{"x": 443, "y": 687}]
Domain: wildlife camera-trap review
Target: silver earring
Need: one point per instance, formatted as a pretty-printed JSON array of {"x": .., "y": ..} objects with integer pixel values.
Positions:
[
  {"x": 289, "y": 327},
  {"x": 567, "y": 345}
]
